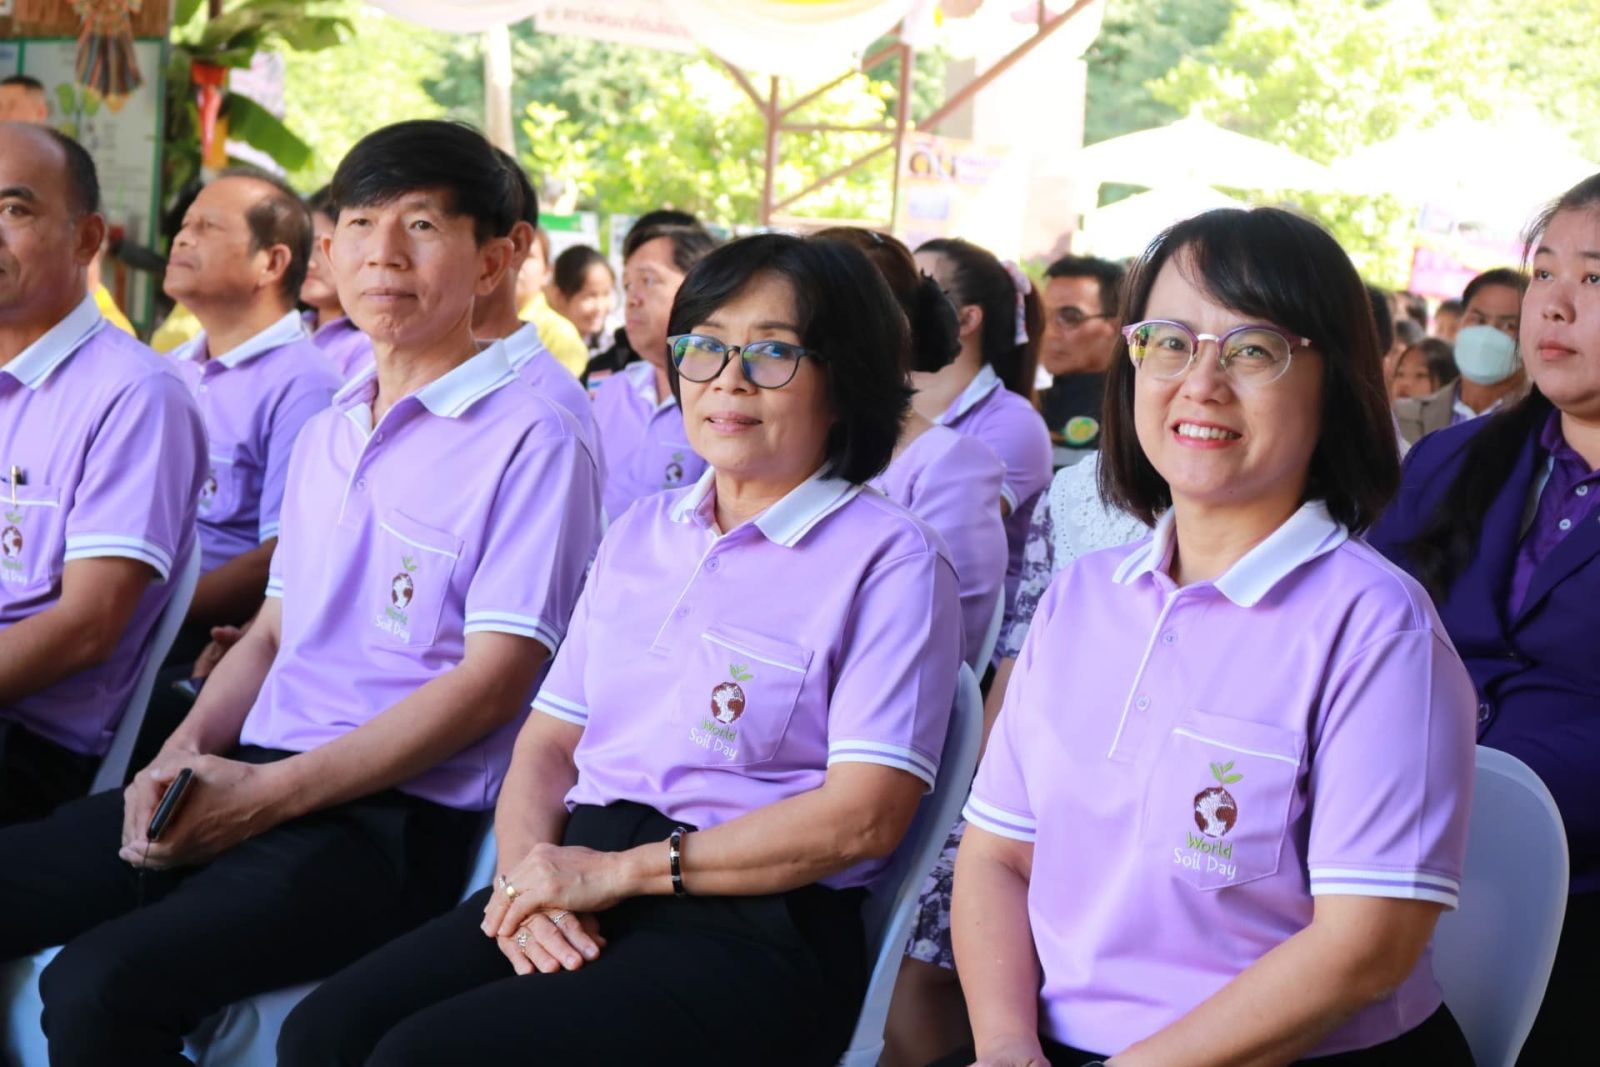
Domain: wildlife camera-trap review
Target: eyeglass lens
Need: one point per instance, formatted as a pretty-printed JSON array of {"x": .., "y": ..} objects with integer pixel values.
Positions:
[
  {"x": 1249, "y": 354},
  {"x": 768, "y": 364}
]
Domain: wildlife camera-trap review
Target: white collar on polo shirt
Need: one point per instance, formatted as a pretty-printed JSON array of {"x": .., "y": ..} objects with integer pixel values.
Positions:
[
  {"x": 34, "y": 364},
  {"x": 986, "y": 382},
  {"x": 523, "y": 346},
  {"x": 1310, "y": 532},
  {"x": 284, "y": 331},
  {"x": 450, "y": 396},
  {"x": 641, "y": 375},
  {"x": 785, "y": 522}
]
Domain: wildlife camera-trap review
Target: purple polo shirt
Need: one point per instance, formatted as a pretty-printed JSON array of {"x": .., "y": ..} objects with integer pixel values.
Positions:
[
  {"x": 254, "y": 399},
  {"x": 1569, "y": 496},
  {"x": 472, "y": 506},
  {"x": 713, "y": 675},
  {"x": 112, "y": 453},
  {"x": 646, "y": 448},
  {"x": 952, "y": 482},
  {"x": 342, "y": 343},
  {"x": 1194, "y": 766},
  {"x": 1016, "y": 433},
  {"x": 530, "y": 358}
]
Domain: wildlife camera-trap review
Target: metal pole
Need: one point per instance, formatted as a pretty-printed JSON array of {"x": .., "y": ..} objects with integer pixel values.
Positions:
[
  {"x": 497, "y": 88},
  {"x": 770, "y": 114},
  {"x": 902, "y": 112}
]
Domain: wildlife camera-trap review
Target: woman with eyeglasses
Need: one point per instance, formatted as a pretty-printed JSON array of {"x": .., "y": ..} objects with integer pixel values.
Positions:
[
  {"x": 750, "y": 702},
  {"x": 987, "y": 390},
  {"x": 1225, "y": 799}
]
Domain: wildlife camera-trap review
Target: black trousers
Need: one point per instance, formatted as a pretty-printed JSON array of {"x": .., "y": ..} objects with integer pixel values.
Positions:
[
  {"x": 37, "y": 776},
  {"x": 696, "y": 980},
  {"x": 289, "y": 906},
  {"x": 1565, "y": 1017},
  {"x": 1437, "y": 1042}
]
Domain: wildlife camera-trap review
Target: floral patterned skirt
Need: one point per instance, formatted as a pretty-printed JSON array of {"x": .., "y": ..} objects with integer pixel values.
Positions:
[{"x": 930, "y": 928}]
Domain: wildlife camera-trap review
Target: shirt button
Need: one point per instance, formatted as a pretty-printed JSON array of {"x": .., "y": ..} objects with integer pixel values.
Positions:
[
  {"x": 1142, "y": 703},
  {"x": 1582, "y": 490},
  {"x": 1565, "y": 524},
  {"x": 1483, "y": 712},
  {"x": 683, "y": 613},
  {"x": 712, "y": 563},
  {"x": 1168, "y": 638},
  {"x": 361, "y": 483},
  {"x": 378, "y": 436}
]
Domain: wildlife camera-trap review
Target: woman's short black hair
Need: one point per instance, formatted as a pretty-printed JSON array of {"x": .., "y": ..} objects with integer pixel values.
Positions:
[
  {"x": 572, "y": 268},
  {"x": 847, "y": 316},
  {"x": 1437, "y": 356},
  {"x": 977, "y": 277},
  {"x": 935, "y": 330},
  {"x": 1275, "y": 266},
  {"x": 430, "y": 154}
]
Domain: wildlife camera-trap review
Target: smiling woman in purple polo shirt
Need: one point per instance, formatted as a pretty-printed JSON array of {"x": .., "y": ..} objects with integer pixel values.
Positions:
[
  {"x": 1500, "y": 518},
  {"x": 751, "y": 700},
  {"x": 1225, "y": 800}
]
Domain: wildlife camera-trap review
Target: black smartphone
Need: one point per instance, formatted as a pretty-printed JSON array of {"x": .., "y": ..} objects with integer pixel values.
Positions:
[{"x": 169, "y": 804}]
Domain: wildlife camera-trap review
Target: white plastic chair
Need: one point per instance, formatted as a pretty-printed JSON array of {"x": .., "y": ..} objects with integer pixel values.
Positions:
[
  {"x": 114, "y": 767},
  {"x": 980, "y": 662},
  {"x": 890, "y": 908},
  {"x": 1493, "y": 955},
  {"x": 19, "y": 983}
]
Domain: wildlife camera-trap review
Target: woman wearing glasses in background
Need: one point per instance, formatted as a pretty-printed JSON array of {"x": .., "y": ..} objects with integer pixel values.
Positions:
[
  {"x": 1225, "y": 800},
  {"x": 751, "y": 699}
]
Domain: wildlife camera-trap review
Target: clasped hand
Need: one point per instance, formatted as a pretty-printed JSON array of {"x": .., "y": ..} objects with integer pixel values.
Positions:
[{"x": 557, "y": 891}]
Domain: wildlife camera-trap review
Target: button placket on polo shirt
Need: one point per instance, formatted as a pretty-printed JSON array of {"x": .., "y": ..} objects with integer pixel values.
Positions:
[{"x": 1143, "y": 707}]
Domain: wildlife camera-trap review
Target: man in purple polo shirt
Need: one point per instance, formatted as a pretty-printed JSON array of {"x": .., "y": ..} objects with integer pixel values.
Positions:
[
  {"x": 496, "y": 315},
  {"x": 101, "y": 457},
  {"x": 237, "y": 263},
  {"x": 434, "y": 535}
]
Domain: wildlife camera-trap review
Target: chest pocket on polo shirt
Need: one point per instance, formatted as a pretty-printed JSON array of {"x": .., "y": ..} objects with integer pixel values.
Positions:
[
  {"x": 412, "y": 569},
  {"x": 223, "y": 488},
  {"x": 32, "y": 530},
  {"x": 738, "y": 695},
  {"x": 1217, "y": 806}
]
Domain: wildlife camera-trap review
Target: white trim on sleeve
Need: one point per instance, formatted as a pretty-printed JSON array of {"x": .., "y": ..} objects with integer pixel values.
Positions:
[
  {"x": 1008, "y": 495},
  {"x": 1402, "y": 885},
  {"x": 92, "y": 546},
  {"x": 997, "y": 820},
  {"x": 558, "y": 708},
  {"x": 275, "y": 586},
  {"x": 267, "y": 532},
  {"x": 855, "y": 752},
  {"x": 505, "y": 622}
]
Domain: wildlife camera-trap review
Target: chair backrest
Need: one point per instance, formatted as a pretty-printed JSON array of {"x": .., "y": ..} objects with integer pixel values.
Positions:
[
  {"x": 114, "y": 767},
  {"x": 891, "y": 906},
  {"x": 1493, "y": 955},
  {"x": 980, "y": 662}
]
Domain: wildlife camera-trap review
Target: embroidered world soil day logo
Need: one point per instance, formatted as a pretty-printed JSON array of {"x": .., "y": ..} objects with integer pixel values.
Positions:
[
  {"x": 1215, "y": 810},
  {"x": 674, "y": 471},
  {"x": 402, "y": 588},
  {"x": 11, "y": 544},
  {"x": 727, "y": 704},
  {"x": 208, "y": 489}
]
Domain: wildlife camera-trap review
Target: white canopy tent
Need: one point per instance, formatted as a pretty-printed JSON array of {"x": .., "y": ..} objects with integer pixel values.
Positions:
[{"x": 1194, "y": 151}]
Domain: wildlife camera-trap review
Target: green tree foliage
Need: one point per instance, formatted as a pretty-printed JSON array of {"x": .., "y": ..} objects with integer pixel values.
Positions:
[{"x": 1140, "y": 40}]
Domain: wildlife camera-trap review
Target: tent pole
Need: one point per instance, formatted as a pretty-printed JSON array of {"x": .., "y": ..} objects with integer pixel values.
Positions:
[
  {"x": 770, "y": 113},
  {"x": 497, "y": 88},
  {"x": 902, "y": 112}
]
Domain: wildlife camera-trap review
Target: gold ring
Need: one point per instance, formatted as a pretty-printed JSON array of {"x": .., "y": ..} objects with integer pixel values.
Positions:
[{"x": 511, "y": 891}]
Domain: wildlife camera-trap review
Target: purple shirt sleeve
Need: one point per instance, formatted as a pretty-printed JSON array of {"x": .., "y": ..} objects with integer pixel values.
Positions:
[
  {"x": 960, "y": 498},
  {"x": 549, "y": 497},
  {"x": 999, "y": 801},
  {"x": 562, "y": 695},
  {"x": 1391, "y": 773},
  {"x": 303, "y": 399},
  {"x": 896, "y": 679},
  {"x": 141, "y": 478}
]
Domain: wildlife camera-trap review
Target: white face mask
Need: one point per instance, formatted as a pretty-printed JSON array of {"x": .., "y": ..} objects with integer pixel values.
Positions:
[{"x": 1486, "y": 356}]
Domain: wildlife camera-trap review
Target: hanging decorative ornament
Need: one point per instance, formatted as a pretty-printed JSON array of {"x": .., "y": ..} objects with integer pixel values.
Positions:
[
  {"x": 106, "y": 63},
  {"x": 211, "y": 80}
]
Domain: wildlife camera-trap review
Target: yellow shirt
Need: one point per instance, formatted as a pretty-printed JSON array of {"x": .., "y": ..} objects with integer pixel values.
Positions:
[
  {"x": 558, "y": 334},
  {"x": 179, "y": 327},
  {"x": 108, "y": 308}
]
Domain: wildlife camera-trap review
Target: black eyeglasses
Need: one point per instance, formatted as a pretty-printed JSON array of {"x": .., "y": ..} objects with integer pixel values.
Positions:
[
  {"x": 766, "y": 364},
  {"x": 1068, "y": 317}
]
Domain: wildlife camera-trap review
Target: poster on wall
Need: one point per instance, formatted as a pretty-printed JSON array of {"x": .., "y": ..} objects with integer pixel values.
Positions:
[
  {"x": 955, "y": 188},
  {"x": 10, "y": 57},
  {"x": 125, "y": 142}
]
